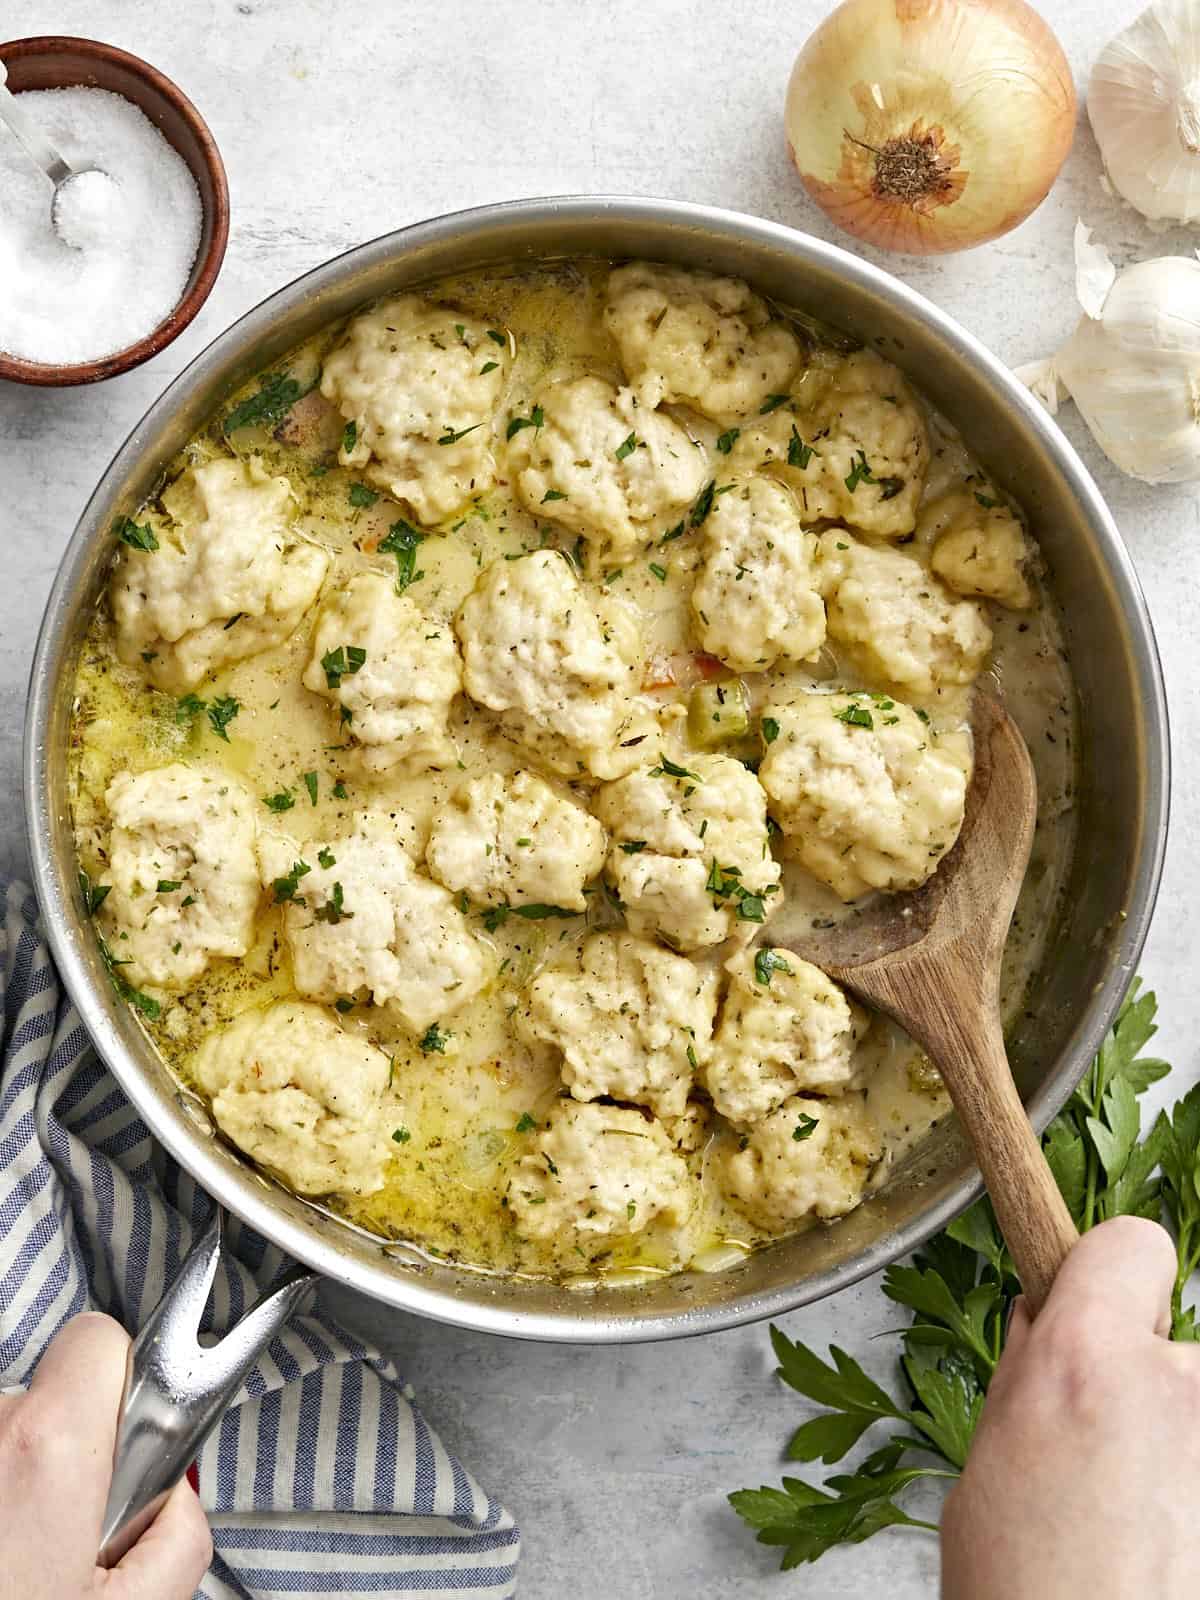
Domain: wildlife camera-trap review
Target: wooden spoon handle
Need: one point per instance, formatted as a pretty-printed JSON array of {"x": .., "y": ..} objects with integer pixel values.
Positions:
[{"x": 1029, "y": 1207}]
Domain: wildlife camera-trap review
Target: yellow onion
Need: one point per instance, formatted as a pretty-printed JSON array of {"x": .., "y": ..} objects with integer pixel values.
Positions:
[{"x": 928, "y": 125}]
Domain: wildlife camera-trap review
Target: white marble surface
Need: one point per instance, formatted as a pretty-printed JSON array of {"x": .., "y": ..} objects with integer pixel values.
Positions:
[{"x": 338, "y": 123}]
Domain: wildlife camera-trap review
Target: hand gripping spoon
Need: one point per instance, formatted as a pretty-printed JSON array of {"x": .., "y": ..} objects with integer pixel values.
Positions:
[{"x": 930, "y": 960}]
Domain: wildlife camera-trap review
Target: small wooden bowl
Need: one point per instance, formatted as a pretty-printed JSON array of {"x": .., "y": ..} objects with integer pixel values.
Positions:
[{"x": 59, "y": 62}]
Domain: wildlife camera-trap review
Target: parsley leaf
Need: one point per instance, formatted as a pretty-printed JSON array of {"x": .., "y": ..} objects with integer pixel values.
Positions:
[
  {"x": 433, "y": 1039},
  {"x": 525, "y": 1123},
  {"x": 310, "y": 783},
  {"x": 770, "y": 730},
  {"x": 361, "y": 496},
  {"x": 452, "y": 435},
  {"x": 727, "y": 440},
  {"x": 283, "y": 801},
  {"x": 402, "y": 541},
  {"x": 769, "y": 961},
  {"x": 855, "y": 717},
  {"x": 959, "y": 1291},
  {"x": 94, "y": 894},
  {"x": 772, "y": 403},
  {"x": 626, "y": 447},
  {"x": 285, "y": 888},
  {"x": 341, "y": 663},
  {"x": 349, "y": 437},
  {"x": 334, "y": 910},
  {"x": 137, "y": 535},
  {"x": 221, "y": 713},
  {"x": 703, "y": 505},
  {"x": 534, "y": 420},
  {"x": 670, "y": 769},
  {"x": 799, "y": 454},
  {"x": 401, "y": 1136},
  {"x": 860, "y": 472},
  {"x": 277, "y": 393},
  {"x": 326, "y": 858}
]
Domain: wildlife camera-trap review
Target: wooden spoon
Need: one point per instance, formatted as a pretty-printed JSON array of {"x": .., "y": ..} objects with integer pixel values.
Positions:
[{"x": 930, "y": 959}]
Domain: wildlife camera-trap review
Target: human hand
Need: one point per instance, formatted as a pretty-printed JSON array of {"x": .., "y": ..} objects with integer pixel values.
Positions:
[
  {"x": 1085, "y": 1471},
  {"x": 56, "y": 1451}
]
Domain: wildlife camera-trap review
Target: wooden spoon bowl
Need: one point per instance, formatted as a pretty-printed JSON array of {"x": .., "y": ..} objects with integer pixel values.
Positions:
[{"x": 930, "y": 959}]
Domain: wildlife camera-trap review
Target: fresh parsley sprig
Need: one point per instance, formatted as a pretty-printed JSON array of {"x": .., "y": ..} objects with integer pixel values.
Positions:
[{"x": 959, "y": 1289}]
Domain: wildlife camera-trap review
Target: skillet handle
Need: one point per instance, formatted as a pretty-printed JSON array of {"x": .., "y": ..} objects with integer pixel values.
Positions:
[{"x": 176, "y": 1389}]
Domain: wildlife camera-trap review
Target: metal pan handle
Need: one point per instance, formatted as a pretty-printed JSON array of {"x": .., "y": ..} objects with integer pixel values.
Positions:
[{"x": 176, "y": 1389}]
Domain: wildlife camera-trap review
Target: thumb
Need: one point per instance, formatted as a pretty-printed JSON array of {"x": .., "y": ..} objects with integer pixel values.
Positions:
[
  {"x": 1125, "y": 1270},
  {"x": 171, "y": 1557}
]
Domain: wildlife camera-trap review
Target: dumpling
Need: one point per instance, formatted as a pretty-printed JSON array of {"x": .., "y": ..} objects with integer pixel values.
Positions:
[
  {"x": 393, "y": 672},
  {"x": 698, "y": 340},
  {"x": 900, "y": 625},
  {"x": 808, "y": 1158},
  {"x": 598, "y": 1170},
  {"x": 849, "y": 441},
  {"x": 516, "y": 841},
  {"x": 784, "y": 1026},
  {"x": 867, "y": 795},
  {"x": 755, "y": 599},
  {"x": 301, "y": 1096},
  {"x": 225, "y": 577},
  {"x": 419, "y": 385},
  {"x": 563, "y": 673},
  {"x": 362, "y": 923},
  {"x": 184, "y": 882},
  {"x": 690, "y": 859},
  {"x": 613, "y": 471},
  {"x": 632, "y": 1021}
]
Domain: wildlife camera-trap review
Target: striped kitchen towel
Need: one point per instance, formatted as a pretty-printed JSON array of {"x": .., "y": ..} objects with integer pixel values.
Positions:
[{"x": 322, "y": 1479}]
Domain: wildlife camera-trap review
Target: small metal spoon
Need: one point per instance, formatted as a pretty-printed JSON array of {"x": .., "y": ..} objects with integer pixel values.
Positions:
[{"x": 38, "y": 148}]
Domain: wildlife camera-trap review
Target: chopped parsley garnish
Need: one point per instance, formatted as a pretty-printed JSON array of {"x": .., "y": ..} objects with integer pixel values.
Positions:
[
  {"x": 402, "y": 541},
  {"x": 341, "y": 663},
  {"x": 434, "y": 1040},
  {"x": 805, "y": 1128},
  {"x": 626, "y": 447},
  {"x": 277, "y": 393},
  {"x": 285, "y": 888},
  {"x": 349, "y": 437},
  {"x": 343, "y": 1004},
  {"x": 340, "y": 791},
  {"x": 799, "y": 454},
  {"x": 495, "y": 916},
  {"x": 534, "y": 420},
  {"x": 727, "y": 440},
  {"x": 923, "y": 715},
  {"x": 770, "y": 730},
  {"x": 401, "y": 1136},
  {"x": 94, "y": 894},
  {"x": 855, "y": 717},
  {"x": 310, "y": 783},
  {"x": 772, "y": 403},
  {"x": 334, "y": 909},
  {"x": 488, "y": 366},
  {"x": 138, "y": 535},
  {"x": 860, "y": 472},
  {"x": 168, "y": 886},
  {"x": 890, "y": 487},
  {"x": 361, "y": 496},
  {"x": 221, "y": 713},
  {"x": 453, "y": 435},
  {"x": 677, "y": 532},
  {"x": 326, "y": 858},
  {"x": 633, "y": 847},
  {"x": 703, "y": 505},
  {"x": 659, "y": 572},
  {"x": 525, "y": 1123},
  {"x": 553, "y": 494},
  {"x": 497, "y": 338},
  {"x": 668, "y": 769},
  {"x": 724, "y": 884},
  {"x": 149, "y": 1007},
  {"x": 768, "y": 961},
  {"x": 233, "y": 621},
  {"x": 631, "y": 1210},
  {"x": 188, "y": 708},
  {"x": 691, "y": 1056},
  {"x": 986, "y": 501}
]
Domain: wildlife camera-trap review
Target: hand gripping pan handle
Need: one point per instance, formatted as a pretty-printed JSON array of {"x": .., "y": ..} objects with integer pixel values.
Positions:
[{"x": 176, "y": 1389}]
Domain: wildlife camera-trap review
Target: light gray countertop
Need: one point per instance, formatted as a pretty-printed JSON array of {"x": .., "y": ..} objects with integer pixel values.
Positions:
[{"x": 338, "y": 123}]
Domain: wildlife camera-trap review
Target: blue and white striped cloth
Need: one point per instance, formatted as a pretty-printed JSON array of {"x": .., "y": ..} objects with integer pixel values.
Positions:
[{"x": 322, "y": 1479}]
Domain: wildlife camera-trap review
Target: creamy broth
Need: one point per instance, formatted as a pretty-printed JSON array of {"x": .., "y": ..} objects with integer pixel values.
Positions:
[{"x": 456, "y": 1114}]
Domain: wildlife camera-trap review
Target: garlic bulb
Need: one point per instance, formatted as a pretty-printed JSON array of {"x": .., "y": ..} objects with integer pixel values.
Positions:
[
  {"x": 1132, "y": 366},
  {"x": 1144, "y": 105},
  {"x": 927, "y": 125}
]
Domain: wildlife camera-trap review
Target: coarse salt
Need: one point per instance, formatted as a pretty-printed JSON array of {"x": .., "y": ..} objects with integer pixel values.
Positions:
[{"x": 129, "y": 231}]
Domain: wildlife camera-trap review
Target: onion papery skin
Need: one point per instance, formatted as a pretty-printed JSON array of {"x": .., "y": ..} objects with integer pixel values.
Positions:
[{"x": 925, "y": 126}]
